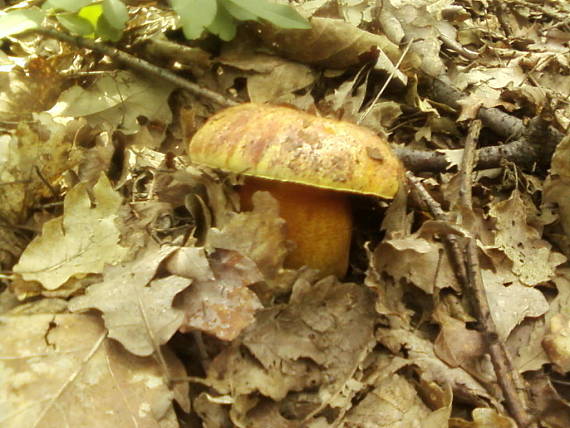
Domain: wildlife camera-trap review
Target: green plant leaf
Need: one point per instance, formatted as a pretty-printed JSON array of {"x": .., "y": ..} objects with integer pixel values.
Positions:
[
  {"x": 195, "y": 15},
  {"x": 75, "y": 24},
  {"x": 67, "y": 5},
  {"x": 115, "y": 13},
  {"x": 91, "y": 13},
  {"x": 106, "y": 31},
  {"x": 280, "y": 15},
  {"x": 19, "y": 21},
  {"x": 224, "y": 25},
  {"x": 238, "y": 12}
]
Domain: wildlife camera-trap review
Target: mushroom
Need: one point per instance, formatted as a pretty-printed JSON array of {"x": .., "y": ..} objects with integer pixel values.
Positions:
[{"x": 309, "y": 164}]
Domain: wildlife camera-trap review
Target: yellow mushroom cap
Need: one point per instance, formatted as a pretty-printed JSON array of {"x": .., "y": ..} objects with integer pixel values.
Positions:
[{"x": 284, "y": 144}]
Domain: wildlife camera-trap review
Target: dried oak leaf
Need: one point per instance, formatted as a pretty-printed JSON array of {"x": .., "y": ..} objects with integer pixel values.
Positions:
[
  {"x": 557, "y": 342},
  {"x": 419, "y": 258},
  {"x": 259, "y": 234},
  {"x": 81, "y": 242},
  {"x": 534, "y": 261},
  {"x": 137, "y": 310},
  {"x": 39, "y": 151},
  {"x": 420, "y": 352},
  {"x": 61, "y": 370},
  {"x": 395, "y": 403},
  {"x": 484, "y": 417},
  {"x": 118, "y": 101},
  {"x": 510, "y": 302},
  {"x": 219, "y": 301},
  {"x": 313, "y": 344},
  {"x": 330, "y": 43},
  {"x": 269, "y": 78},
  {"x": 456, "y": 344},
  {"x": 557, "y": 188},
  {"x": 33, "y": 89}
]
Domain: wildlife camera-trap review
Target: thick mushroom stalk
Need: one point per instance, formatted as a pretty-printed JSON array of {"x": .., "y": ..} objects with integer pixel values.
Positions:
[
  {"x": 319, "y": 222},
  {"x": 309, "y": 164}
]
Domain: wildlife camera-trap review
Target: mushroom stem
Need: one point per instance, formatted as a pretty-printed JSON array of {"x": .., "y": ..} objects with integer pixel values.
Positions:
[{"x": 319, "y": 222}]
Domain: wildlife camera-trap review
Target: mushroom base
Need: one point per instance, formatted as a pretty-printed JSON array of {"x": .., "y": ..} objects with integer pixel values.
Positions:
[{"x": 319, "y": 222}]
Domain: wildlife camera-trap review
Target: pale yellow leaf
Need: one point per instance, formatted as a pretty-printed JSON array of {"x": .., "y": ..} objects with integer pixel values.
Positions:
[
  {"x": 137, "y": 310},
  {"x": 80, "y": 242},
  {"x": 62, "y": 371}
]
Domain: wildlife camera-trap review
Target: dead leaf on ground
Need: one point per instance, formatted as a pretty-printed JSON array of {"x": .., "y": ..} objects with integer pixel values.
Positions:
[
  {"x": 137, "y": 310},
  {"x": 39, "y": 152},
  {"x": 259, "y": 234},
  {"x": 284, "y": 349},
  {"x": 118, "y": 101},
  {"x": 522, "y": 243},
  {"x": 219, "y": 302},
  {"x": 81, "y": 242},
  {"x": 61, "y": 370},
  {"x": 331, "y": 43}
]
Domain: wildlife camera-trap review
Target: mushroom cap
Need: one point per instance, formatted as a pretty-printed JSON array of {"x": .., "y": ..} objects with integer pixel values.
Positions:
[{"x": 284, "y": 144}]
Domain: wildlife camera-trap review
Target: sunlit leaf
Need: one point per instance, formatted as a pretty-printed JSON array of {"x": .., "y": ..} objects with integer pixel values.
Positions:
[
  {"x": 80, "y": 242},
  {"x": 280, "y": 15},
  {"x": 195, "y": 15},
  {"x": 19, "y": 21},
  {"x": 223, "y": 25},
  {"x": 116, "y": 13},
  {"x": 92, "y": 13},
  {"x": 67, "y": 5},
  {"x": 108, "y": 32},
  {"x": 76, "y": 24}
]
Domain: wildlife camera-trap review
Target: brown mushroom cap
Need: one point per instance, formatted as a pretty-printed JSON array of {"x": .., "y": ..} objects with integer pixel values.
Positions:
[{"x": 280, "y": 143}]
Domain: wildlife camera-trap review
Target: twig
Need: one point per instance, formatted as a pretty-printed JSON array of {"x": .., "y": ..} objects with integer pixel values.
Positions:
[
  {"x": 455, "y": 46},
  {"x": 519, "y": 152},
  {"x": 467, "y": 163},
  {"x": 451, "y": 241},
  {"x": 506, "y": 375},
  {"x": 509, "y": 127},
  {"x": 137, "y": 64},
  {"x": 468, "y": 274},
  {"x": 383, "y": 88}
]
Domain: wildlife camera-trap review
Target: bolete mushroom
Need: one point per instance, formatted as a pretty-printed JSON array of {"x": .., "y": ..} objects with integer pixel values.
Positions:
[{"x": 309, "y": 164}]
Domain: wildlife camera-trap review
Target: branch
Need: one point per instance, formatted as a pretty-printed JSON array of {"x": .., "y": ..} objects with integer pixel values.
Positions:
[{"x": 137, "y": 64}]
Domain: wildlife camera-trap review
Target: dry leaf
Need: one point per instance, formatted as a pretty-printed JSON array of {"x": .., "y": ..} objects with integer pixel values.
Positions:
[
  {"x": 118, "y": 100},
  {"x": 509, "y": 301},
  {"x": 259, "y": 234},
  {"x": 61, "y": 370},
  {"x": 557, "y": 185},
  {"x": 395, "y": 403},
  {"x": 40, "y": 151},
  {"x": 557, "y": 342},
  {"x": 222, "y": 304},
  {"x": 418, "y": 258},
  {"x": 80, "y": 242},
  {"x": 286, "y": 348},
  {"x": 137, "y": 310},
  {"x": 533, "y": 259},
  {"x": 269, "y": 78},
  {"x": 331, "y": 43}
]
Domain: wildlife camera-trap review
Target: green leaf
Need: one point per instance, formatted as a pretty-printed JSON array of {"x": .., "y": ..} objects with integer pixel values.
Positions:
[
  {"x": 115, "y": 13},
  {"x": 75, "y": 24},
  {"x": 19, "y": 21},
  {"x": 238, "y": 12},
  {"x": 91, "y": 13},
  {"x": 106, "y": 31},
  {"x": 280, "y": 15},
  {"x": 224, "y": 25},
  {"x": 67, "y": 5},
  {"x": 195, "y": 15}
]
